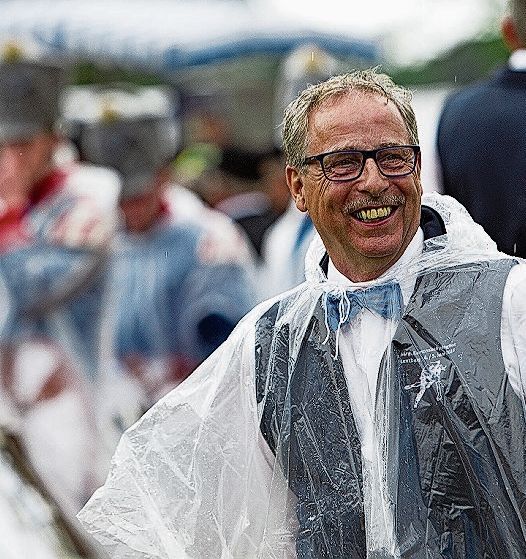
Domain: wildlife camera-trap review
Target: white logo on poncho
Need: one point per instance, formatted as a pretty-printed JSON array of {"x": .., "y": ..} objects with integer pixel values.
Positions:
[{"x": 429, "y": 376}]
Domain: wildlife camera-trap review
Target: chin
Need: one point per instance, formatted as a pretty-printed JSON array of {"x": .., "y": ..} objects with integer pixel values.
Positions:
[
  {"x": 379, "y": 248},
  {"x": 135, "y": 227}
]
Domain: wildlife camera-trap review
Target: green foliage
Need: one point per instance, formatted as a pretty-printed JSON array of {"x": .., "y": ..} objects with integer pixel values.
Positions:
[
  {"x": 461, "y": 65},
  {"x": 87, "y": 73}
]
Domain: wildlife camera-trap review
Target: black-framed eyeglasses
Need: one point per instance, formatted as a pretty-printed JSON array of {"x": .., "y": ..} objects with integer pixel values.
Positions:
[{"x": 346, "y": 165}]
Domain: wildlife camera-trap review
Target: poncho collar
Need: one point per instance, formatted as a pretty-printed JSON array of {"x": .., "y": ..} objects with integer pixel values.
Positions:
[{"x": 431, "y": 223}]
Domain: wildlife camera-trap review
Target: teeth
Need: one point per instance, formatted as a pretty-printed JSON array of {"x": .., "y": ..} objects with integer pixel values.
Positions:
[{"x": 374, "y": 213}]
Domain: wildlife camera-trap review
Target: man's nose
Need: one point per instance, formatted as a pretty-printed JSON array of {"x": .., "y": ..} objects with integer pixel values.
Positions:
[
  {"x": 371, "y": 180},
  {"x": 9, "y": 152},
  {"x": 11, "y": 157},
  {"x": 6, "y": 156}
]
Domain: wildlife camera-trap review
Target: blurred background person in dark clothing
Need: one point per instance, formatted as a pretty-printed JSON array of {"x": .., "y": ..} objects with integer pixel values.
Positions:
[
  {"x": 482, "y": 142},
  {"x": 271, "y": 170},
  {"x": 236, "y": 188}
]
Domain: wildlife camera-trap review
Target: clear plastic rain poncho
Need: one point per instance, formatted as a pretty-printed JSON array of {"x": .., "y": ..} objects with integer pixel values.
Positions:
[{"x": 274, "y": 449}]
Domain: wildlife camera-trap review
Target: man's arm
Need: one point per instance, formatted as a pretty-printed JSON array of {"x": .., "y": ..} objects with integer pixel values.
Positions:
[{"x": 191, "y": 479}]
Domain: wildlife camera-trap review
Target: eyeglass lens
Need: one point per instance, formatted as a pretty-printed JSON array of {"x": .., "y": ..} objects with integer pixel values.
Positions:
[{"x": 392, "y": 161}]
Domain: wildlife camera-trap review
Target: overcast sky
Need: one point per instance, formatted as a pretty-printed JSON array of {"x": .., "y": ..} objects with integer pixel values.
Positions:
[{"x": 413, "y": 30}]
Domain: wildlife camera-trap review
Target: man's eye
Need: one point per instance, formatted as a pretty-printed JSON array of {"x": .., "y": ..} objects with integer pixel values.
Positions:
[
  {"x": 345, "y": 162},
  {"x": 392, "y": 159}
]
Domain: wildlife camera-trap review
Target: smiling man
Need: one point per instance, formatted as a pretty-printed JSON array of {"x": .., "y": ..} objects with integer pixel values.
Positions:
[
  {"x": 360, "y": 137},
  {"x": 376, "y": 410}
]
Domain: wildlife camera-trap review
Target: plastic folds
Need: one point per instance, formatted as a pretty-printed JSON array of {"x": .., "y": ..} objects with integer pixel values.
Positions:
[{"x": 318, "y": 431}]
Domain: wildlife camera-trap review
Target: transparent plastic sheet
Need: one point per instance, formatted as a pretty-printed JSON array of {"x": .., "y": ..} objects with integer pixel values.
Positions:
[{"x": 266, "y": 451}]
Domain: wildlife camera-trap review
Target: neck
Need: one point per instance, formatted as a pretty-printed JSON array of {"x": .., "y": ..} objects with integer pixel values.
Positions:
[
  {"x": 367, "y": 271},
  {"x": 48, "y": 182},
  {"x": 359, "y": 268},
  {"x": 141, "y": 219}
]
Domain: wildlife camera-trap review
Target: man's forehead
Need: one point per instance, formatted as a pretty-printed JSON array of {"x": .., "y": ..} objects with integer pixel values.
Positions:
[
  {"x": 29, "y": 140},
  {"x": 362, "y": 112},
  {"x": 351, "y": 97}
]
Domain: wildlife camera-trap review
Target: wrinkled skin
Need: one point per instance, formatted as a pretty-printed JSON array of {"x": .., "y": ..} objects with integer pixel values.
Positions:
[{"x": 361, "y": 251}]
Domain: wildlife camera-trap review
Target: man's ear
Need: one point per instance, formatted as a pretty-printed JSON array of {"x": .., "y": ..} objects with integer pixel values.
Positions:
[
  {"x": 296, "y": 187},
  {"x": 418, "y": 171},
  {"x": 509, "y": 34}
]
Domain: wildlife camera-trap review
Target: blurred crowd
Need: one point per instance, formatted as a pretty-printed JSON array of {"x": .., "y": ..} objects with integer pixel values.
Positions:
[{"x": 127, "y": 256}]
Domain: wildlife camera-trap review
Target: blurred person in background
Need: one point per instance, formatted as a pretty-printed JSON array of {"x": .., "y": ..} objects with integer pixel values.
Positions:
[
  {"x": 236, "y": 187},
  {"x": 482, "y": 141},
  {"x": 181, "y": 273},
  {"x": 285, "y": 243},
  {"x": 245, "y": 184},
  {"x": 36, "y": 193},
  {"x": 53, "y": 242}
]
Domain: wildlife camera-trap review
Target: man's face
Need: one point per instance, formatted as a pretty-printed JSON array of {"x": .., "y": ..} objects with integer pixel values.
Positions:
[
  {"x": 361, "y": 249},
  {"x": 23, "y": 163},
  {"x": 140, "y": 212}
]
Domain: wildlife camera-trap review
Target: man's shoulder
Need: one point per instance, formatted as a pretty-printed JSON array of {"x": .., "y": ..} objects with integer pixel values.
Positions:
[
  {"x": 470, "y": 95},
  {"x": 485, "y": 90},
  {"x": 286, "y": 309},
  {"x": 100, "y": 184},
  {"x": 218, "y": 239},
  {"x": 485, "y": 276}
]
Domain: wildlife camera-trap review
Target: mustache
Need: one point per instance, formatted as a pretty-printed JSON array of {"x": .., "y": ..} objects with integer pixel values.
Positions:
[{"x": 369, "y": 201}]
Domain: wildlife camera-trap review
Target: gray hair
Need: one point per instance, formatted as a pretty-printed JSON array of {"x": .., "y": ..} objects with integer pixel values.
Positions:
[
  {"x": 296, "y": 119},
  {"x": 517, "y": 9}
]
